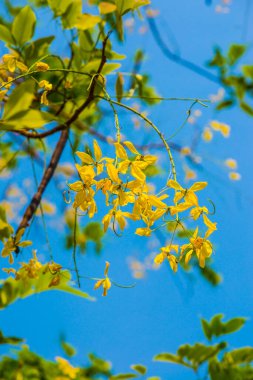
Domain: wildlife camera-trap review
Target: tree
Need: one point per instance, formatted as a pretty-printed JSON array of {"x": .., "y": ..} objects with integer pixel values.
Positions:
[{"x": 56, "y": 101}]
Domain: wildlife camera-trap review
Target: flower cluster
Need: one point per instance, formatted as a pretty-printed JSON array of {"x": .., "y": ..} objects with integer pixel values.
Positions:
[
  {"x": 34, "y": 269},
  {"x": 122, "y": 181}
]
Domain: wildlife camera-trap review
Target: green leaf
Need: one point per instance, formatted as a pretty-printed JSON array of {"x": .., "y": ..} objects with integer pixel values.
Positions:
[
  {"x": 246, "y": 108},
  {"x": 68, "y": 349},
  {"x": 199, "y": 353},
  {"x": 206, "y": 329},
  {"x": 11, "y": 289},
  {"x": 9, "y": 339},
  {"x": 119, "y": 86},
  {"x": 235, "y": 52},
  {"x": 38, "y": 48},
  {"x": 20, "y": 99},
  {"x": 247, "y": 71},
  {"x": 139, "y": 368},
  {"x": 210, "y": 275},
  {"x": 125, "y": 6},
  {"x": 233, "y": 325},
  {"x": 71, "y": 14},
  {"x": 23, "y": 25},
  {"x": 59, "y": 7},
  {"x": 27, "y": 119},
  {"x": 5, "y": 35},
  {"x": 170, "y": 358},
  {"x": 225, "y": 104},
  {"x": 240, "y": 355},
  {"x": 123, "y": 376},
  {"x": 217, "y": 328}
]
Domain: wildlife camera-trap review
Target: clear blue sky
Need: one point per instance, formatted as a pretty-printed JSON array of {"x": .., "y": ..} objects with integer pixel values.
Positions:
[{"x": 163, "y": 310}]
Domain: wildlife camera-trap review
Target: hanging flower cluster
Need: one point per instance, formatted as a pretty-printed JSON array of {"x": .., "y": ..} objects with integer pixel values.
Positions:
[{"x": 122, "y": 181}]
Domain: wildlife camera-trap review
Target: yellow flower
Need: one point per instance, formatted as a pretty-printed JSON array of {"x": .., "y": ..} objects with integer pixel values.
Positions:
[
  {"x": 2, "y": 94},
  {"x": 104, "y": 282},
  {"x": 41, "y": 66},
  {"x": 136, "y": 167},
  {"x": 231, "y": 163},
  {"x": 6, "y": 84},
  {"x": 185, "y": 151},
  {"x": 146, "y": 231},
  {"x": 188, "y": 194},
  {"x": 117, "y": 216},
  {"x": 196, "y": 212},
  {"x": 13, "y": 244},
  {"x": 66, "y": 368},
  {"x": 190, "y": 174},
  {"x": 234, "y": 176},
  {"x": 85, "y": 194},
  {"x": 30, "y": 269},
  {"x": 12, "y": 62},
  {"x": 207, "y": 134},
  {"x": 211, "y": 226},
  {"x": 46, "y": 85},
  {"x": 43, "y": 98},
  {"x": 166, "y": 254},
  {"x": 198, "y": 245},
  {"x": 220, "y": 127},
  {"x": 97, "y": 163}
]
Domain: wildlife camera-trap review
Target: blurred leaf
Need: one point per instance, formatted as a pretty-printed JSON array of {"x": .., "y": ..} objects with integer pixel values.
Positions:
[
  {"x": 119, "y": 86},
  {"x": 123, "y": 376},
  {"x": 139, "y": 368},
  {"x": 25, "y": 22},
  {"x": 5, "y": 35},
  {"x": 68, "y": 349},
  {"x": 235, "y": 52},
  {"x": 246, "y": 108},
  {"x": 9, "y": 339}
]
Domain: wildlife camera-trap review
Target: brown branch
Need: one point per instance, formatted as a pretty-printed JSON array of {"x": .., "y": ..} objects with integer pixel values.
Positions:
[
  {"x": 34, "y": 135},
  {"x": 49, "y": 172}
]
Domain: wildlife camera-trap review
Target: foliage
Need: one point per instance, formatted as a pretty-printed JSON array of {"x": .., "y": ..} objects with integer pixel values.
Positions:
[
  {"x": 237, "y": 79},
  {"x": 216, "y": 361}
]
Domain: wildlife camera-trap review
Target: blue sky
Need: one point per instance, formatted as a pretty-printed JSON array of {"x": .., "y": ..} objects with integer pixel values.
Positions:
[{"x": 163, "y": 310}]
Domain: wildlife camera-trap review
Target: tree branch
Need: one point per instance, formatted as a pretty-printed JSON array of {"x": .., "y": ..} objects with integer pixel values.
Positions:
[
  {"x": 49, "y": 172},
  {"x": 34, "y": 135}
]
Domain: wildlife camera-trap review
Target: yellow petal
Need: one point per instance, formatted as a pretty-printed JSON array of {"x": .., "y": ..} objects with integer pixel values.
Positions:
[
  {"x": 137, "y": 172},
  {"x": 120, "y": 151},
  {"x": 180, "y": 208},
  {"x": 131, "y": 147},
  {"x": 174, "y": 185},
  {"x": 98, "y": 284},
  {"x": 155, "y": 201},
  {"x": 107, "y": 265},
  {"x": 97, "y": 151},
  {"x": 143, "y": 231},
  {"x": 113, "y": 173},
  {"x": 86, "y": 158},
  {"x": 41, "y": 66},
  {"x": 234, "y": 176},
  {"x": 87, "y": 21},
  {"x": 197, "y": 186},
  {"x": 105, "y": 8},
  {"x": 209, "y": 224},
  {"x": 173, "y": 262},
  {"x": 231, "y": 163},
  {"x": 159, "y": 259}
]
